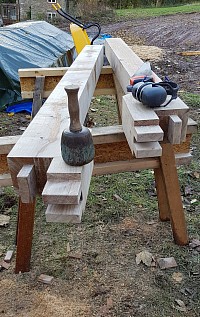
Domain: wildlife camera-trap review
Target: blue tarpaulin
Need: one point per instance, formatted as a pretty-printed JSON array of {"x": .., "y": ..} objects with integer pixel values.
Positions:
[{"x": 29, "y": 44}]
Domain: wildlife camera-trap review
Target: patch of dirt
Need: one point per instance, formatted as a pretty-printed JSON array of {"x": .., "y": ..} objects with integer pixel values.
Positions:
[
  {"x": 172, "y": 34},
  {"x": 13, "y": 125}
]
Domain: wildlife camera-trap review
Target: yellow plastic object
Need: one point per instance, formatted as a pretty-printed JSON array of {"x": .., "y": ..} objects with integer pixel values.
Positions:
[
  {"x": 79, "y": 36},
  {"x": 56, "y": 6}
]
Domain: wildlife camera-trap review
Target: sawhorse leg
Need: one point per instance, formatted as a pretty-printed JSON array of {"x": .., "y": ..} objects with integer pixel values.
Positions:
[
  {"x": 26, "y": 211},
  {"x": 25, "y": 226},
  {"x": 169, "y": 196}
]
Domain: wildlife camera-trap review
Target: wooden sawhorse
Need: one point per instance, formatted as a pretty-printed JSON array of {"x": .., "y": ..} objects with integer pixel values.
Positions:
[{"x": 37, "y": 168}]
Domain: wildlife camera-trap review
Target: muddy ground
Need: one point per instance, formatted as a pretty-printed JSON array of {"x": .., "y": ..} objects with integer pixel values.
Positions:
[
  {"x": 173, "y": 34},
  {"x": 101, "y": 278}
]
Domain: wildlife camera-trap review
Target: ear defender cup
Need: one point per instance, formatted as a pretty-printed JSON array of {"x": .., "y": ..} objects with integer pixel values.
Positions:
[
  {"x": 153, "y": 96},
  {"x": 149, "y": 94}
]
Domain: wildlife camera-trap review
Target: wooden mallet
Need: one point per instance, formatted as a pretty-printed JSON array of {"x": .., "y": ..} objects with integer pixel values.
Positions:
[{"x": 77, "y": 146}]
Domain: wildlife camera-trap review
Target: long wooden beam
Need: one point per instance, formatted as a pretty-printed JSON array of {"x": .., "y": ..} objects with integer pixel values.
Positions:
[
  {"x": 111, "y": 147},
  {"x": 125, "y": 63},
  {"x": 41, "y": 140},
  {"x": 105, "y": 84}
]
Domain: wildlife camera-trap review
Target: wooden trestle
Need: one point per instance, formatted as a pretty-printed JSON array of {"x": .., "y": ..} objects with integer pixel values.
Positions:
[{"x": 157, "y": 138}]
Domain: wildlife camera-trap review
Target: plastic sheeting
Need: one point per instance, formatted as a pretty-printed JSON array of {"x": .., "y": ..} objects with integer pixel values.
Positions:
[{"x": 29, "y": 45}]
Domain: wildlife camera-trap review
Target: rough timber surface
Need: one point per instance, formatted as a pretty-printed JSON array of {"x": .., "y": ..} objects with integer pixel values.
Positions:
[
  {"x": 125, "y": 63},
  {"x": 44, "y": 132},
  {"x": 72, "y": 213}
]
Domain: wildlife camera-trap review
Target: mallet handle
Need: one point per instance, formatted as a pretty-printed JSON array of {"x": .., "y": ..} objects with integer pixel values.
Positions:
[{"x": 73, "y": 106}]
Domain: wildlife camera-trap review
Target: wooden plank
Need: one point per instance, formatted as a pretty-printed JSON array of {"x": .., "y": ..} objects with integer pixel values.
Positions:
[
  {"x": 100, "y": 135},
  {"x": 176, "y": 107},
  {"x": 108, "y": 134},
  {"x": 72, "y": 213},
  {"x": 104, "y": 92},
  {"x": 3, "y": 164},
  {"x": 172, "y": 189},
  {"x": 189, "y": 53},
  {"x": 62, "y": 192},
  {"x": 147, "y": 149},
  {"x": 59, "y": 170},
  {"x": 136, "y": 114},
  {"x": 119, "y": 95},
  {"x": 105, "y": 84},
  {"x": 163, "y": 205},
  {"x": 26, "y": 213},
  {"x": 148, "y": 133},
  {"x": 98, "y": 92},
  {"x": 125, "y": 166},
  {"x": 27, "y": 183},
  {"x": 122, "y": 59},
  {"x": 46, "y": 72},
  {"x": 125, "y": 63},
  {"x": 183, "y": 158},
  {"x": 174, "y": 129},
  {"x": 192, "y": 126},
  {"x": 7, "y": 143},
  {"x": 5, "y": 180},
  {"x": 53, "y": 71},
  {"x": 38, "y": 95},
  {"x": 44, "y": 131}
]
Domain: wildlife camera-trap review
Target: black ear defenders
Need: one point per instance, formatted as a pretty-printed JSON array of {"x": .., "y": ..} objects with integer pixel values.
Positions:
[{"x": 154, "y": 94}]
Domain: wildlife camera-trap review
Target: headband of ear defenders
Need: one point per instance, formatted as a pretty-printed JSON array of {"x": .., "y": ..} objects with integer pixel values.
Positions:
[{"x": 171, "y": 89}]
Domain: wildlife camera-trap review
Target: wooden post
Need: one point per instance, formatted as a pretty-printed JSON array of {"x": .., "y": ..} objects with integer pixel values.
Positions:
[
  {"x": 163, "y": 204},
  {"x": 38, "y": 95},
  {"x": 173, "y": 195},
  {"x": 25, "y": 226}
]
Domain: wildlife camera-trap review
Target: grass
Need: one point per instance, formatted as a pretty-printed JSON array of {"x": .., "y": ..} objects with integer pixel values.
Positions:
[
  {"x": 192, "y": 100},
  {"x": 138, "y": 13}
]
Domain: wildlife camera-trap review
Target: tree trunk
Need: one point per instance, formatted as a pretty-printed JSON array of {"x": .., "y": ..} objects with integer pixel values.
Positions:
[{"x": 159, "y": 3}]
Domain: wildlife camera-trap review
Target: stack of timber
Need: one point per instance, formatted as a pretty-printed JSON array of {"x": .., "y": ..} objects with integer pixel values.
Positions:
[
  {"x": 66, "y": 191},
  {"x": 39, "y": 146},
  {"x": 144, "y": 127}
]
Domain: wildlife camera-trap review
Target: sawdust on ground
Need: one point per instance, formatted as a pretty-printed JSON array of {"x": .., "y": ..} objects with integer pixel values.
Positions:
[{"x": 148, "y": 53}]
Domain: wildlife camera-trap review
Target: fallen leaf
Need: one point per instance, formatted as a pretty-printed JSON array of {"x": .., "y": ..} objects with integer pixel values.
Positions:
[
  {"x": 152, "y": 222},
  {"x": 68, "y": 247},
  {"x": 177, "y": 277},
  {"x": 188, "y": 190},
  {"x": 93, "y": 110},
  {"x": 145, "y": 257},
  {"x": 5, "y": 265},
  {"x": 75, "y": 255},
  {"x": 11, "y": 114},
  {"x": 196, "y": 174},
  {"x": 167, "y": 263},
  {"x": 4, "y": 220},
  {"x": 117, "y": 197},
  {"x": 180, "y": 302},
  {"x": 109, "y": 302},
  {"x": 194, "y": 243}
]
